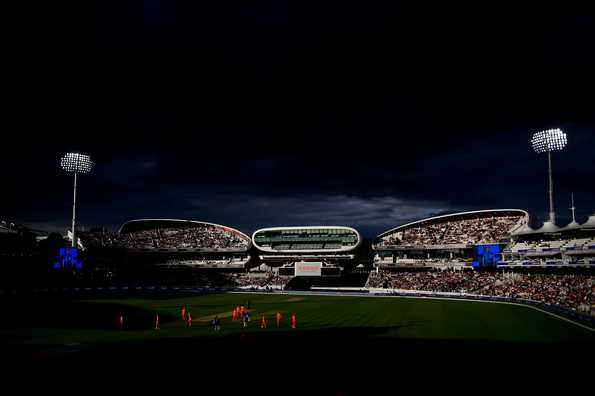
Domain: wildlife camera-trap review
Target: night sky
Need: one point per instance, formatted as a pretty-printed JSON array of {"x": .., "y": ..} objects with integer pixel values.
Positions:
[{"x": 255, "y": 114}]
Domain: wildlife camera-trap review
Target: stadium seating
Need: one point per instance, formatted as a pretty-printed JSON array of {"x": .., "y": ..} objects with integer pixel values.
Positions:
[
  {"x": 568, "y": 290},
  {"x": 554, "y": 245},
  {"x": 191, "y": 238},
  {"x": 521, "y": 246},
  {"x": 206, "y": 263},
  {"x": 453, "y": 232},
  {"x": 260, "y": 280}
]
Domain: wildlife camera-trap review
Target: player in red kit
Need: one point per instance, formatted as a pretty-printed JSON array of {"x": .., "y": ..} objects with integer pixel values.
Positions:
[
  {"x": 184, "y": 313},
  {"x": 189, "y": 319},
  {"x": 293, "y": 321},
  {"x": 278, "y": 318},
  {"x": 121, "y": 322},
  {"x": 157, "y": 322}
]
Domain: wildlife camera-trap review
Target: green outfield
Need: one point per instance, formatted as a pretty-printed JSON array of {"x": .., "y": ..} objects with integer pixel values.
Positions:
[{"x": 66, "y": 322}]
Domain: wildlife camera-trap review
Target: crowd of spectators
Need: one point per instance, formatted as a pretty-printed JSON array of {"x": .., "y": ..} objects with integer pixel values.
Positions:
[
  {"x": 565, "y": 290},
  {"x": 435, "y": 281},
  {"x": 205, "y": 263},
  {"x": 425, "y": 262},
  {"x": 260, "y": 280},
  {"x": 465, "y": 231},
  {"x": 568, "y": 290},
  {"x": 200, "y": 237}
]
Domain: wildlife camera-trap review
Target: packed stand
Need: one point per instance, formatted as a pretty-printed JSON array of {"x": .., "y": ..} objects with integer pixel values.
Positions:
[
  {"x": 204, "y": 237},
  {"x": 205, "y": 263},
  {"x": 435, "y": 281},
  {"x": 466, "y": 231},
  {"x": 573, "y": 291},
  {"x": 566, "y": 290},
  {"x": 260, "y": 280}
]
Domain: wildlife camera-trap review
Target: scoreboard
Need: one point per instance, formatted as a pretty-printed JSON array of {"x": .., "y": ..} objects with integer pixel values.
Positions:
[{"x": 308, "y": 268}]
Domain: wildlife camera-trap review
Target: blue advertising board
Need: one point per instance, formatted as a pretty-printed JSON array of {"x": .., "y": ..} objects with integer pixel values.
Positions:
[{"x": 68, "y": 258}]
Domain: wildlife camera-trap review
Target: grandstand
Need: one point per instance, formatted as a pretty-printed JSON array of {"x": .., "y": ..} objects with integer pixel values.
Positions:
[
  {"x": 299, "y": 249},
  {"x": 572, "y": 245},
  {"x": 460, "y": 239},
  {"x": 490, "y": 254},
  {"x": 173, "y": 243},
  {"x": 174, "y": 235},
  {"x": 571, "y": 290}
]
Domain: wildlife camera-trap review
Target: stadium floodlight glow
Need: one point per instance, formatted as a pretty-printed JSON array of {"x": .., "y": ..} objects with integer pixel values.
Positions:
[
  {"x": 75, "y": 163},
  {"x": 546, "y": 142},
  {"x": 549, "y": 140}
]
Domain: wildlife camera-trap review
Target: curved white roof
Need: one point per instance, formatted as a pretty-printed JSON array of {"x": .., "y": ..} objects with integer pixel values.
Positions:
[
  {"x": 570, "y": 226},
  {"x": 590, "y": 223},
  {"x": 183, "y": 221},
  {"x": 547, "y": 226},
  {"x": 525, "y": 214},
  {"x": 308, "y": 251},
  {"x": 523, "y": 230}
]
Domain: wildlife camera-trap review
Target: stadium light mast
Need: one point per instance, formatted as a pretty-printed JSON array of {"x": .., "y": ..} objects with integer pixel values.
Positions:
[
  {"x": 546, "y": 142},
  {"x": 572, "y": 208},
  {"x": 75, "y": 163}
]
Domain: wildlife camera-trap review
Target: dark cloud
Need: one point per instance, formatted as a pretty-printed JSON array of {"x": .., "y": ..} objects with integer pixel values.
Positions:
[{"x": 257, "y": 114}]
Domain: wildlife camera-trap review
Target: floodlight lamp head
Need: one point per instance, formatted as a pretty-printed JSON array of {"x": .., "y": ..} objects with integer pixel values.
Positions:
[
  {"x": 549, "y": 140},
  {"x": 76, "y": 163}
]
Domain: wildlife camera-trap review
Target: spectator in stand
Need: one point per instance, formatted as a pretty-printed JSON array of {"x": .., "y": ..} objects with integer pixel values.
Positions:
[
  {"x": 568, "y": 290},
  {"x": 198, "y": 237},
  {"x": 465, "y": 231}
]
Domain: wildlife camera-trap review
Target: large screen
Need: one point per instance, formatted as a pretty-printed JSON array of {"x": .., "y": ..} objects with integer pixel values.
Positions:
[
  {"x": 487, "y": 255},
  {"x": 305, "y": 268},
  {"x": 68, "y": 258}
]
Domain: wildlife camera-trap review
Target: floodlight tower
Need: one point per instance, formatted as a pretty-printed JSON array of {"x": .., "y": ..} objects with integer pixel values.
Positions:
[
  {"x": 546, "y": 142},
  {"x": 572, "y": 208},
  {"x": 75, "y": 163}
]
